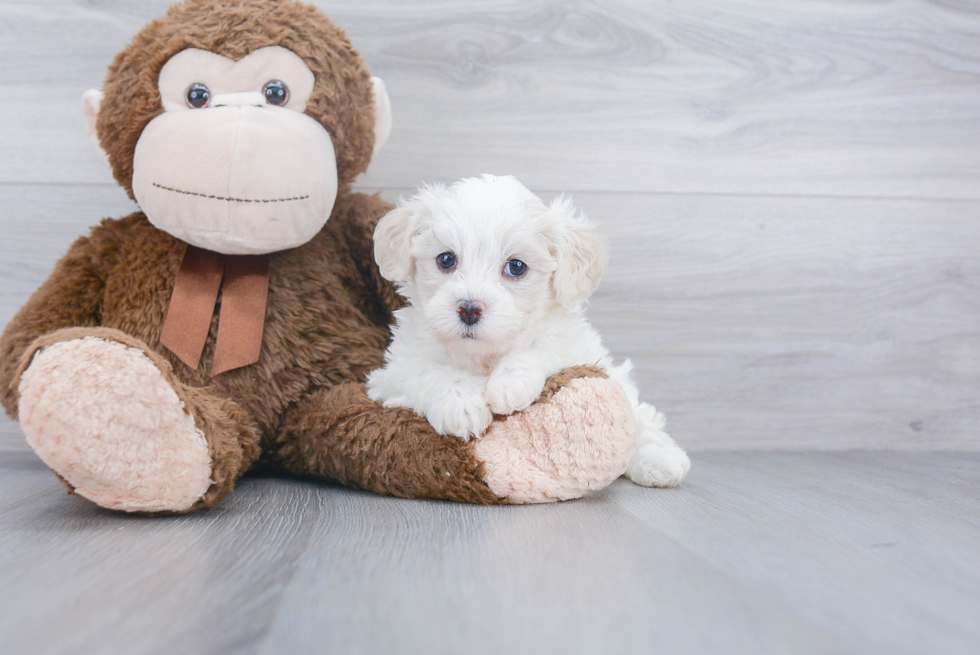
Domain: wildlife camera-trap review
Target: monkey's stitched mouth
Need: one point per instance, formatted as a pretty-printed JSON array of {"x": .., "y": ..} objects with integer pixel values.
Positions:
[{"x": 228, "y": 198}]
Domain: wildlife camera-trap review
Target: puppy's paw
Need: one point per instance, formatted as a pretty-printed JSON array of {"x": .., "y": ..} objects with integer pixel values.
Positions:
[
  {"x": 460, "y": 413},
  {"x": 511, "y": 390},
  {"x": 654, "y": 465}
]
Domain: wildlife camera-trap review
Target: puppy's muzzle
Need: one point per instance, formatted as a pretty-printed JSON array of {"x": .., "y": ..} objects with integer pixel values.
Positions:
[{"x": 470, "y": 311}]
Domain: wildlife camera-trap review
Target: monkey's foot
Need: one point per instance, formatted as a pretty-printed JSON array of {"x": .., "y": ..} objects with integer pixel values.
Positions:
[
  {"x": 578, "y": 437},
  {"x": 105, "y": 419}
]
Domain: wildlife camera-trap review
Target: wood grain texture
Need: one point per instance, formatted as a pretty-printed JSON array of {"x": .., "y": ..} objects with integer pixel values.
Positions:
[
  {"x": 803, "y": 323},
  {"x": 757, "y": 553},
  {"x": 770, "y": 323},
  {"x": 863, "y": 98},
  {"x": 791, "y": 191},
  {"x": 78, "y": 579}
]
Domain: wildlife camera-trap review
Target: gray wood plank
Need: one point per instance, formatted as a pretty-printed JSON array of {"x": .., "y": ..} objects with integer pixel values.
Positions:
[
  {"x": 582, "y": 577},
  {"x": 877, "y": 549},
  {"x": 757, "y": 552},
  {"x": 771, "y": 323},
  {"x": 802, "y": 323},
  {"x": 11, "y": 436},
  {"x": 79, "y": 579},
  {"x": 860, "y": 99}
]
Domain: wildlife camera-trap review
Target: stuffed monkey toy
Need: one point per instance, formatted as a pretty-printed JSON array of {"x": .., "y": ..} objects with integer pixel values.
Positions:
[{"x": 230, "y": 323}]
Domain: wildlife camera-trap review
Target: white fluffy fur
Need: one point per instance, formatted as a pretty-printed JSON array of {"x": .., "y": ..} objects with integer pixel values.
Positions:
[{"x": 458, "y": 376}]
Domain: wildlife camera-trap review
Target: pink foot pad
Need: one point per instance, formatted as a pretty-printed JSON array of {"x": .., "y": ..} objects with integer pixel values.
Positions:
[
  {"x": 579, "y": 440},
  {"x": 103, "y": 417}
]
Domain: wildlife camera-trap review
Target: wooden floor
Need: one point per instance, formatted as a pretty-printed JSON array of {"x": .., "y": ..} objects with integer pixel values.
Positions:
[
  {"x": 792, "y": 194},
  {"x": 854, "y": 552}
]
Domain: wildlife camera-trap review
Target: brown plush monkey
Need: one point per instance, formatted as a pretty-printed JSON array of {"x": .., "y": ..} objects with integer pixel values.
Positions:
[{"x": 232, "y": 321}]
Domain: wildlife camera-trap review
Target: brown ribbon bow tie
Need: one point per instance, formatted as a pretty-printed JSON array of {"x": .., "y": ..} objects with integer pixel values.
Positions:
[{"x": 242, "y": 317}]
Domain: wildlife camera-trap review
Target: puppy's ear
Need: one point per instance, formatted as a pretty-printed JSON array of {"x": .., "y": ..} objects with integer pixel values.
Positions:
[
  {"x": 392, "y": 240},
  {"x": 581, "y": 252}
]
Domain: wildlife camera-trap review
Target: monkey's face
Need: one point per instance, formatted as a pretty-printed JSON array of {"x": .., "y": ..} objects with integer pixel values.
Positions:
[
  {"x": 233, "y": 164},
  {"x": 233, "y": 123}
]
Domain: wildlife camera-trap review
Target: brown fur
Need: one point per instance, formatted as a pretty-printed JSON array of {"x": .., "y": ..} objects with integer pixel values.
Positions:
[
  {"x": 341, "y": 98},
  {"x": 326, "y": 324},
  {"x": 397, "y": 452},
  {"x": 404, "y": 459},
  {"x": 560, "y": 380},
  {"x": 302, "y": 407}
]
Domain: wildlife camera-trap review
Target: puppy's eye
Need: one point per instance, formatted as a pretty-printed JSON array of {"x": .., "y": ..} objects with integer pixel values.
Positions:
[
  {"x": 446, "y": 261},
  {"x": 515, "y": 268}
]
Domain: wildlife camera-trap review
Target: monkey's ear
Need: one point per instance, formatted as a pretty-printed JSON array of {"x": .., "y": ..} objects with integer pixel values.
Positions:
[
  {"x": 91, "y": 100},
  {"x": 393, "y": 242},
  {"x": 382, "y": 113}
]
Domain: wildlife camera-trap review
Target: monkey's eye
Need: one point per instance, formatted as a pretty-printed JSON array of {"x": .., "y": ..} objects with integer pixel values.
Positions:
[
  {"x": 446, "y": 261},
  {"x": 515, "y": 268},
  {"x": 275, "y": 92},
  {"x": 198, "y": 96}
]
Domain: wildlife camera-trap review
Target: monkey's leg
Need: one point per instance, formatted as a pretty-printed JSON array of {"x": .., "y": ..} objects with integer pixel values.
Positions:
[
  {"x": 109, "y": 417},
  {"x": 578, "y": 437}
]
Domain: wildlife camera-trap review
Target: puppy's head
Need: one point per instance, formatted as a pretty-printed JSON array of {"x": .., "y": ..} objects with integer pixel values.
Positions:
[{"x": 484, "y": 258}]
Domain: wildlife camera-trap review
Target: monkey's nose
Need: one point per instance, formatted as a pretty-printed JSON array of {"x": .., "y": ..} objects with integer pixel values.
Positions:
[
  {"x": 243, "y": 99},
  {"x": 470, "y": 311}
]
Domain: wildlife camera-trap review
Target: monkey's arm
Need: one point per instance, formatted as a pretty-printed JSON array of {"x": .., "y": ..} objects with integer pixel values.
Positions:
[
  {"x": 70, "y": 297},
  {"x": 341, "y": 434},
  {"x": 577, "y": 437},
  {"x": 359, "y": 220}
]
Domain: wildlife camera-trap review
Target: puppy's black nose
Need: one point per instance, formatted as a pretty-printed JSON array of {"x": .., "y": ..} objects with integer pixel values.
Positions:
[{"x": 469, "y": 311}]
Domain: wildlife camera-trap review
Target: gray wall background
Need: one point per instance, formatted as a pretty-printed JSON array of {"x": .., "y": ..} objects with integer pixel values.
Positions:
[{"x": 791, "y": 189}]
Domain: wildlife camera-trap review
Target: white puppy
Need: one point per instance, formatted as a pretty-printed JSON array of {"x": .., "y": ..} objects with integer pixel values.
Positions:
[{"x": 495, "y": 281}]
